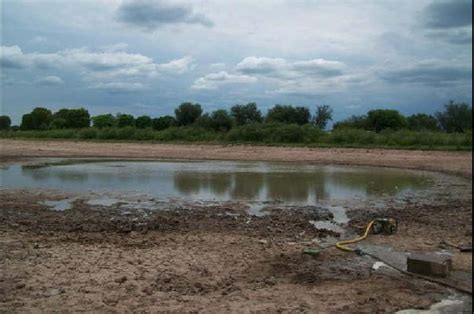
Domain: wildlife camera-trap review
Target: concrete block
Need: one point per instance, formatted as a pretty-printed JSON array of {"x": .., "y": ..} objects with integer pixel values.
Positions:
[{"x": 429, "y": 264}]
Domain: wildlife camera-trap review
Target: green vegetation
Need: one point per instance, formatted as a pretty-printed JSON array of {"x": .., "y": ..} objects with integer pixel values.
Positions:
[
  {"x": 450, "y": 129},
  {"x": 5, "y": 122}
]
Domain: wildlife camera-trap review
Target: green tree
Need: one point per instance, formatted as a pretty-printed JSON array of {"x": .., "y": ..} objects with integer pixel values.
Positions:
[
  {"x": 381, "y": 119},
  {"x": 124, "y": 120},
  {"x": 163, "y": 123},
  {"x": 289, "y": 114},
  {"x": 104, "y": 121},
  {"x": 204, "y": 121},
  {"x": 71, "y": 118},
  {"x": 5, "y": 122},
  {"x": 187, "y": 113},
  {"x": 78, "y": 118},
  {"x": 245, "y": 114},
  {"x": 143, "y": 122},
  {"x": 323, "y": 116},
  {"x": 221, "y": 120},
  {"x": 456, "y": 117},
  {"x": 39, "y": 118},
  {"x": 422, "y": 122}
]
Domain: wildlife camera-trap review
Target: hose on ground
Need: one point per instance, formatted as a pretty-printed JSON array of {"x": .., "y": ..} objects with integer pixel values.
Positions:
[{"x": 342, "y": 245}]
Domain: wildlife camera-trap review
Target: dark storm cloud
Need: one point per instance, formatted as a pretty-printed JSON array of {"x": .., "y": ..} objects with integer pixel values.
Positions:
[
  {"x": 429, "y": 73},
  {"x": 151, "y": 15},
  {"x": 448, "y": 14}
]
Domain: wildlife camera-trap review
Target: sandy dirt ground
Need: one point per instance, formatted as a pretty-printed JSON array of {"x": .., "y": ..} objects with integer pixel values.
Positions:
[{"x": 202, "y": 259}]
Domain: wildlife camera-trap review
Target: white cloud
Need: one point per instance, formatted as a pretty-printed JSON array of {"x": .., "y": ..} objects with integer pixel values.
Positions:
[
  {"x": 215, "y": 80},
  {"x": 178, "y": 66},
  {"x": 102, "y": 69},
  {"x": 283, "y": 69}
]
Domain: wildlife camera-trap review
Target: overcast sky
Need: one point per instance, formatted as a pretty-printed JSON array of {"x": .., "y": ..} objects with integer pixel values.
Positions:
[{"x": 146, "y": 57}]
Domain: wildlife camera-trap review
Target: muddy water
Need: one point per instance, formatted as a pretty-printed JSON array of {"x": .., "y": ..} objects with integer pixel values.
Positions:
[{"x": 215, "y": 180}]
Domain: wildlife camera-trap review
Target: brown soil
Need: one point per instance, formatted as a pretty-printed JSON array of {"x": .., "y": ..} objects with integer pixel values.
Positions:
[{"x": 202, "y": 259}]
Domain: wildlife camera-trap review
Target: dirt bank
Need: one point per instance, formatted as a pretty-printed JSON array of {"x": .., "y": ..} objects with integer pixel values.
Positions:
[
  {"x": 94, "y": 259},
  {"x": 449, "y": 162}
]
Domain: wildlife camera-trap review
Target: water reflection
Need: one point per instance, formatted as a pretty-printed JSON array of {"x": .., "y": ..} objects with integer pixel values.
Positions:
[{"x": 218, "y": 180}]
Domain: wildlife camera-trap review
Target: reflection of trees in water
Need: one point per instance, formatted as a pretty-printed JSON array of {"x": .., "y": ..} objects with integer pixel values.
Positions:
[
  {"x": 296, "y": 187},
  {"x": 291, "y": 186},
  {"x": 377, "y": 183},
  {"x": 187, "y": 183},
  {"x": 247, "y": 185},
  {"x": 45, "y": 173}
]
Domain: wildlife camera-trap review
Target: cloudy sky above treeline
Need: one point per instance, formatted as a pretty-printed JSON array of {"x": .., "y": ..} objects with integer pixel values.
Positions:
[{"x": 148, "y": 56}]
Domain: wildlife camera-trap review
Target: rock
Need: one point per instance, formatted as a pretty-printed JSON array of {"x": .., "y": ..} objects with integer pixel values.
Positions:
[
  {"x": 121, "y": 279},
  {"x": 36, "y": 246},
  {"x": 55, "y": 292},
  {"x": 20, "y": 285}
]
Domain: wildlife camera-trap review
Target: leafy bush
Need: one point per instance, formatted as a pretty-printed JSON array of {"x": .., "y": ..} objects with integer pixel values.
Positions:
[
  {"x": 87, "y": 134},
  {"x": 5, "y": 122},
  {"x": 187, "y": 113},
  {"x": 245, "y": 114},
  {"x": 104, "y": 121},
  {"x": 143, "y": 122},
  {"x": 381, "y": 119},
  {"x": 289, "y": 114},
  {"x": 163, "y": 123},
  {"x": 125, "y": 120},
  {"x": 456, "y": 117},
  {"x": 39, "y": 119}
]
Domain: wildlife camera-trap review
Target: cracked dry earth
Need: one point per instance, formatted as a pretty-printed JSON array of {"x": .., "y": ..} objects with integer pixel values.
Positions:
[{"x": 88, "y": 259}]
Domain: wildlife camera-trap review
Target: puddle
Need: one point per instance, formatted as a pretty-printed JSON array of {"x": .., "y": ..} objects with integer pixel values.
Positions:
[
  {"x": 60, "y": 205},
  {"x": 103, "y": 201},
  {"x": 257, "y": 210},
  {"x": 327, "y": 225},
  {"x": 252, "y": 182},
  {"x": 451, "y": 305}
]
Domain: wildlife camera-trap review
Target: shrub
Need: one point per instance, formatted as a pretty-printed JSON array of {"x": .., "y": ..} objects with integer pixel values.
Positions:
[
  {"x": 107, "y": 134},
  {"x": 104, "y": 121},
  {"x": 245, "y": 114},
  {"x": 87, "y": 134},
  {"x": 289, "y": 114},
  {"x": 163, "y": 123},
  {"x": 456, "y": 117},
  {"x": 143, "y": 122},
  {"x": 378, "y": 120},
  {"x": 187, "y": 113},
  {"x": 125, "y": 120},
  {"x": 246, "y": 133},
  {"x": 38, "y": 119},
  {"x": 5, "y": 122},
  {"x": 221, "y": 120}
]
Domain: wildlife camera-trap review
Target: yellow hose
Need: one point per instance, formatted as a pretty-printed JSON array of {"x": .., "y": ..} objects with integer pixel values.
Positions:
[{"x": 342, "y": 245}]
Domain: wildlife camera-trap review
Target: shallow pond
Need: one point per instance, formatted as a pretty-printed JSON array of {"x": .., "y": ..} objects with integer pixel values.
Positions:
[{"x": 218, "y": 180}]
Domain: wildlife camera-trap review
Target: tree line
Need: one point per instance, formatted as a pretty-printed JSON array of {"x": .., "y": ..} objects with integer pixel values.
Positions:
[{"x": 456, "y": 117}]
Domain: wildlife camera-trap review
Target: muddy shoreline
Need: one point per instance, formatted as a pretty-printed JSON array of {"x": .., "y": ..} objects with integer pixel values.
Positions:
[
  {"x": 219, "y": 258},
  {"x": 457, "y": 163}
]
